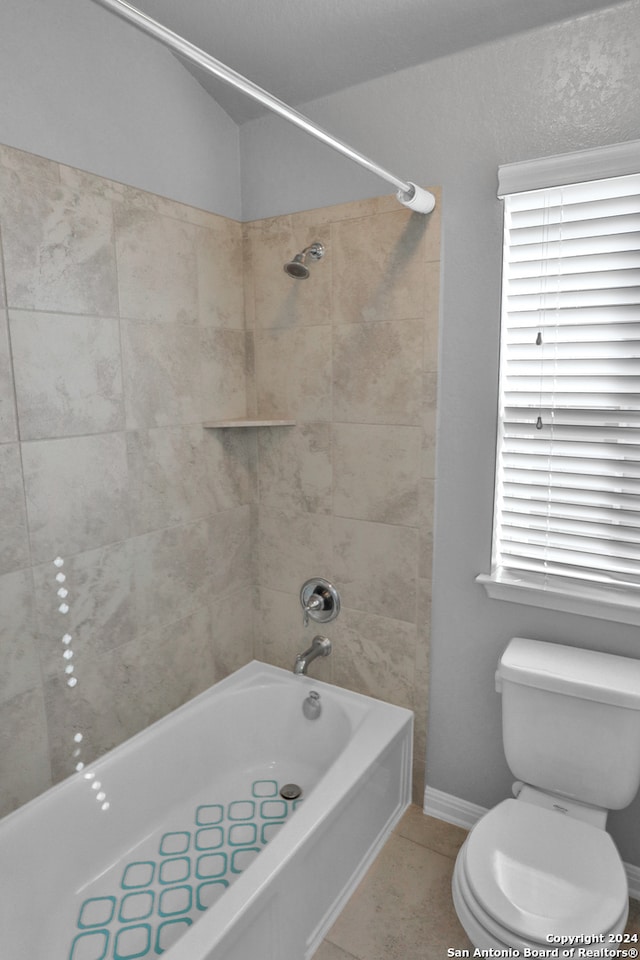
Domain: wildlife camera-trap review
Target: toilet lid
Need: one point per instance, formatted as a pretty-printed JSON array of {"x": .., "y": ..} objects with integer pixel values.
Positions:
[{"x": 541, "y": 873}]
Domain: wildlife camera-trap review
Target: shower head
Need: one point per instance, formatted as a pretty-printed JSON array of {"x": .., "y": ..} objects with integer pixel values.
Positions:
[{"x": 297, "y": 268}]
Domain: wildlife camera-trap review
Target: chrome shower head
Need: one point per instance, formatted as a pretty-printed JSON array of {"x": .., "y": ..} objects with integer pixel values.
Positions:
[{"x": 297, "y": 268}]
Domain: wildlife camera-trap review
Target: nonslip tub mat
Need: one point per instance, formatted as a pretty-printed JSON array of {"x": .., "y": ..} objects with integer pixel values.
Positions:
[{"x": 177, "y": 875}]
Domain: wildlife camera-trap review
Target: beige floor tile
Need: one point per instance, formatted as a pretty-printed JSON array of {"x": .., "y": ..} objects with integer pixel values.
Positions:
[
  {"x": 329, "y": 951},
  {"x": 403, "y": 908},
  {"x": 444, "y": 838},
  {"x": 633, "y": 923}
]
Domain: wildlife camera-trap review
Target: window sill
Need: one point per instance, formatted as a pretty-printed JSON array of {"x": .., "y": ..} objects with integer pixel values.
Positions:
[{"x": 587, "y": 600}]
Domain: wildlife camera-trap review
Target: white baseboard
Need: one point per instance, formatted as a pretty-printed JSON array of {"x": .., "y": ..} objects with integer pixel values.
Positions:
[
  {"x": 633, "y": 879},
  {"x": 444, "y": 806}
]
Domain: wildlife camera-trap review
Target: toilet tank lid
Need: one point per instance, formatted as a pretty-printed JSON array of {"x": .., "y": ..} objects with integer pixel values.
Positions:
[{"x": 572, "y": 671}]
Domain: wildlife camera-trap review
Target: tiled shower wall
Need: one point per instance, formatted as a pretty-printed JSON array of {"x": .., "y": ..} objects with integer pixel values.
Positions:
[
  {"x": 347, "y": 494},
  {"x": 123, "y": 326},
  {"x": 121, "y": 330}
]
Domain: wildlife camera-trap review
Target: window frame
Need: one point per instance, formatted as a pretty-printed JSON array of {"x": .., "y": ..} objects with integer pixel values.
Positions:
[{"x": 585, "y": 598}]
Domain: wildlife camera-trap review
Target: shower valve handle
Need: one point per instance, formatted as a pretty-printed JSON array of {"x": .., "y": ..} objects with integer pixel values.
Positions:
[{"x": 314, "y": 603}]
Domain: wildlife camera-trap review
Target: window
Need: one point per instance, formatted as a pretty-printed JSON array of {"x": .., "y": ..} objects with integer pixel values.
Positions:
[{"x": 567, "y": 504}]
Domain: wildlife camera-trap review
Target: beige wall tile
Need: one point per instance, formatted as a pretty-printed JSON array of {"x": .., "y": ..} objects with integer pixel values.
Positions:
[
  {"x": 281, "y": 301},
  {"x": 90, "y": 709},
  {"x": 292, "y": 546},
  {"x": 223, "y": 374},
  {"x": 231, "y": 551},
  {"x": 122, "y": 690},
  {"x": 418, "y": 780},
  {"x": 8, "y": 426},
  {"x": 293, "y": 373},
  {"x": 374, "y": 655},
  {"x": 376, "y": 470},
  {"x": 429, "y": 438},
  {"x": 219, "y": 259},
  {"x": 26, "y": 769},
  {"x": 432, "y": 315},
  {"x": 251, "y": 233},
  {"x": 83, "y": 181},
  {"x": 377, "y": 372},
  {"x": 230, "y": 458},
  {"x": 164, "y": 667},
  {"x": 427, "y": 499},
  {"x": 161, "y": 364},
  {"x": 14, "y": 541},
  {"x": 102, "y": 612},
  {"x": 171, "y": 573},
  {"x": 20, "y": 664},
  {"x": 250, "y": 371},
  {"x": 232, "y": 631},
  {"x": 157, "y": 266},
  {"x": 76, "y": 492},
  {"x": 58, "y": 248},
  {"x": 375, "y": 564},
  {"x": 379, "y": 267},
  {"x": 420, "y": 705},
  {"x": 296, "y": 467},
  {"x": 18, "y": 167},
  {"x": 68, "y": 374},
  {"x": 167, "y": 477}
]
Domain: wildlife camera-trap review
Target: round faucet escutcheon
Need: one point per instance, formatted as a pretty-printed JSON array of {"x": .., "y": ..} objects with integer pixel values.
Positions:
[{"x": 319, "y": 600}]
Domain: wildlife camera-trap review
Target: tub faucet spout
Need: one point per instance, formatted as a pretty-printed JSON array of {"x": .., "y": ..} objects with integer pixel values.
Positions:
[{"x": 320, "y": 647}]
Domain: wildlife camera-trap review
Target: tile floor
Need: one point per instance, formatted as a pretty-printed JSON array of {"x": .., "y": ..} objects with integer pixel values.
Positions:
[{"x": 402, "y": 909}]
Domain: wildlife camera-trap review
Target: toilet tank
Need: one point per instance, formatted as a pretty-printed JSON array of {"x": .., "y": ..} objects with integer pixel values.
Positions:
[{"x": 571, "y": 721}]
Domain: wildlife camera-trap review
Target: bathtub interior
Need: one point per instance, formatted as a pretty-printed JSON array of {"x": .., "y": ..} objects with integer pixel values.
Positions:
[
  {"x": 151, "y": 896},
  {"x": 192, "y": 801}
]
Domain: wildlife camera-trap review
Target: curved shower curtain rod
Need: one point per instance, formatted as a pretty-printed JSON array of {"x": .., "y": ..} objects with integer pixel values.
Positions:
[{"x": 409, "y": 194}]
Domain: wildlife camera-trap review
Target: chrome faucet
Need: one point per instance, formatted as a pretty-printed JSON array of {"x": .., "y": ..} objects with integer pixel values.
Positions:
[{"x": 320, "y": 647}]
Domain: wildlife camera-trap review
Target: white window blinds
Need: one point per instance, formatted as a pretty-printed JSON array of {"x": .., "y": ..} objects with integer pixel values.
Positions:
[{"x": 568, "y": 471}]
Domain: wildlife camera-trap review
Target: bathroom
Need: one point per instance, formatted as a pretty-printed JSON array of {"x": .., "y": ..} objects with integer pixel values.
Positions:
[{"x": 174, "y": 589}]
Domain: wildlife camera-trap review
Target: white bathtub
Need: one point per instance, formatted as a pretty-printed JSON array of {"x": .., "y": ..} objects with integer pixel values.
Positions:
[{"x": 171, "y": 866}]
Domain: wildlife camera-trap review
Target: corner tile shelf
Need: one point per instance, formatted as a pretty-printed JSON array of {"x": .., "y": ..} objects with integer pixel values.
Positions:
[{"x": 247, "y": 422}]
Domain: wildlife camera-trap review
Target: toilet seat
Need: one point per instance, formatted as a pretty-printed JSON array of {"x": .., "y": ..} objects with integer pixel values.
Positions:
[
  {"x": 538, "y": 873},
  {"x": 487, "y": 933}
]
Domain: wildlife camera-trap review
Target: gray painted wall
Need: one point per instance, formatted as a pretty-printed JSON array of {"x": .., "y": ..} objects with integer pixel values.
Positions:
[
  {"x": 84, "y": 88},
  {"x": 451, "y": 122}
]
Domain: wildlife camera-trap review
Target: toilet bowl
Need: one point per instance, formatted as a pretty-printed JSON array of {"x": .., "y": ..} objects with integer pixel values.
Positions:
[
  {"x": 541, "y": 871},
  {"x": 530, "y": 877}
]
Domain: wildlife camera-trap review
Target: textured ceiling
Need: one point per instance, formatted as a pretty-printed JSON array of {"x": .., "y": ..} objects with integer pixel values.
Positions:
[{"x": 299, "y": 50}]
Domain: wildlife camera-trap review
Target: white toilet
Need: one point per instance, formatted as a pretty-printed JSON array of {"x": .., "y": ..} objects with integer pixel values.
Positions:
[{"x": 542, "y": 867}]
